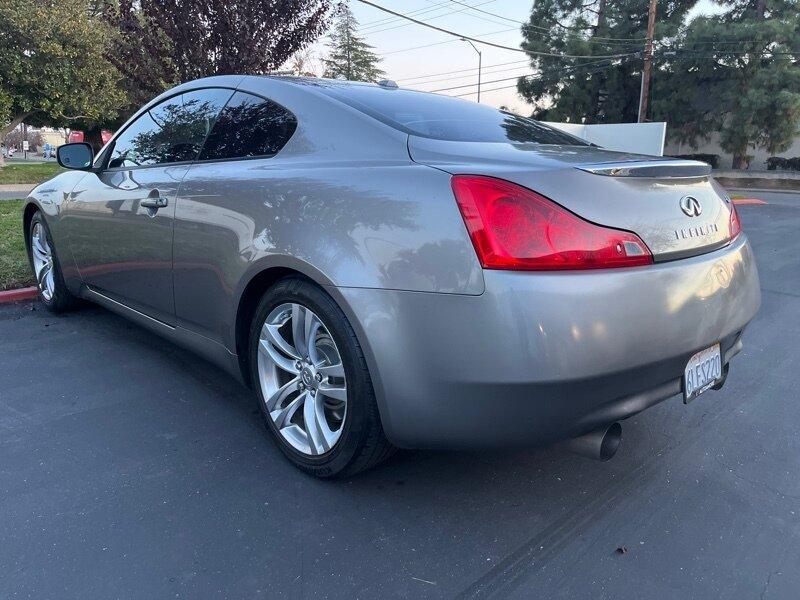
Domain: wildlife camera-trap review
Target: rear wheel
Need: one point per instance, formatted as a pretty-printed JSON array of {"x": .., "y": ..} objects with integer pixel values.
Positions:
[
  {"x": 53, "y": 291},
  {"x": 313, "y": 383}
]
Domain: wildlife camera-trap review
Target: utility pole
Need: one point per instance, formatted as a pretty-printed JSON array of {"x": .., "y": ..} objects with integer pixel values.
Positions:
[
  {"x": 479, "y": 66},
  {"x": 644, "y": 95}
]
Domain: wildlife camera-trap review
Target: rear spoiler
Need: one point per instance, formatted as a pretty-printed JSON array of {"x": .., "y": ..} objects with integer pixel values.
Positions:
[{"x": 659, "y": 169}]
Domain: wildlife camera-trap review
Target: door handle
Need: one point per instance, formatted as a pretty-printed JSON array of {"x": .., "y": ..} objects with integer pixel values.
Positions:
[{"x": 154, "y": 202}]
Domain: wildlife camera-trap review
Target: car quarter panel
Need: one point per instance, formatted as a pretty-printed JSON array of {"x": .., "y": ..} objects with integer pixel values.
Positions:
[
  {"x": 538, "y": 353},
  {"x": 48, "y": 197},
  {"x": 342, "y": 197}
]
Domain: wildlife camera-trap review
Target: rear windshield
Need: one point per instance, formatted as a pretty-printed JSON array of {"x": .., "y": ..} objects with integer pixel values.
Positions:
[{"x": 446, "y": 118}]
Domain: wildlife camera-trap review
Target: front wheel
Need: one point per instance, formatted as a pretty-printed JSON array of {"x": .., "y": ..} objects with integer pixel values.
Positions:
[
  {"x": 53, "y": 290},
  {"x": 313, "y": 384}
]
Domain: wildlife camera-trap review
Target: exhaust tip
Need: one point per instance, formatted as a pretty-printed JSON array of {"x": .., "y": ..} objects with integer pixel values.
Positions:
[
  {"x": 609, "y": 443},
  {"x": 601, "y": 444}
]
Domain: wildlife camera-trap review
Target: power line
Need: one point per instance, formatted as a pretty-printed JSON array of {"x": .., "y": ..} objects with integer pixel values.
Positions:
[
  {"x": 444, "y": 14},
  {"x": 592, "y": 40},
  {"x": 572, "y": 68},
  {"x": 388, "y": 20},
  {"x": 470, "y": 75},
  {"x": 458, "y": 87},
  {"x": 500, "y": 46},
  {"x": 444, "y": 42},
  {"x": 567, "y": 71},
  {"x": 486, "y": 12},
  {"x": 513, "y": 62},
  {"x": 519, "y": 65},
  {"x": 546, "y": 29}
]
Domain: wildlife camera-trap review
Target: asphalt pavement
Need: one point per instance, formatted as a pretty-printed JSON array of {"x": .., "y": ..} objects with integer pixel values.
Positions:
[{"x": 132, "y": 469}]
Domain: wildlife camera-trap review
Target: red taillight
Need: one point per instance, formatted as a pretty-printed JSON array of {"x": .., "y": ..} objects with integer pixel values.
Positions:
[
  {"x": 517, "y": 229},
  {"x": 734, "y": 225}
]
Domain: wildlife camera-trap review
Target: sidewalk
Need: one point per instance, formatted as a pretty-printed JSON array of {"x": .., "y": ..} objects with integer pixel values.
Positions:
[{"x": 10, "y": 191}]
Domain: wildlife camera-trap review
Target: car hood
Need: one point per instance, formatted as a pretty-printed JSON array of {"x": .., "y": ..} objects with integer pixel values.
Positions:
[{"x": 634, "y": 192}]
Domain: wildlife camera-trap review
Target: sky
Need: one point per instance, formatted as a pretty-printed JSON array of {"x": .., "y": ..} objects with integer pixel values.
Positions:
[{"x": 447, "y": 64}]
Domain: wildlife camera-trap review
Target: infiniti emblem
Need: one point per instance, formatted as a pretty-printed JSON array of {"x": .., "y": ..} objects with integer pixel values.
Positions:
[{"x": 691, "y": 206}]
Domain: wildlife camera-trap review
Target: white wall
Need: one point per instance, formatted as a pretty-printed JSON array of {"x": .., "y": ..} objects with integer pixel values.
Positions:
[
  {"x": 760, "y": 155},
  {"x": 639, "y": 138}
]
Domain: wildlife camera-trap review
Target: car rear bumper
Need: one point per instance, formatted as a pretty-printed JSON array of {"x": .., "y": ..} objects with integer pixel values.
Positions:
[{"x": 539, "y": 357}]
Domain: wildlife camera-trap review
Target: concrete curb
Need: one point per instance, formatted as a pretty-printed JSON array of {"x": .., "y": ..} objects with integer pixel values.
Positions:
[
  {"x": 19, "y": 295},
  {"x": 746, "y": 201}
]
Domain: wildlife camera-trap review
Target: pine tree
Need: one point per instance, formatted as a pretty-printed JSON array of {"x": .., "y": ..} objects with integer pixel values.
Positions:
[
  {"x": 738, "y": 74},
  {"x": 591, "y": 90},
  {"x": 350, "y": 57}
]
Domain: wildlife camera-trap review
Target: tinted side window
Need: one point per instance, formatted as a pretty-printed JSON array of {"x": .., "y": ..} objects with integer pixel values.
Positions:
[
  {"x": 172, "y": 131},
  {"x": 249, "y": 126}
]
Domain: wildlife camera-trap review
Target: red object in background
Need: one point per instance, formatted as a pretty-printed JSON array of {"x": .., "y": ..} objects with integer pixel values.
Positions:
[{"x": 77, "y": 136}]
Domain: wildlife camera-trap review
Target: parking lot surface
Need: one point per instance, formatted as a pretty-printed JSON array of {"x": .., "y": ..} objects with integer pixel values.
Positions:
[{"x": 129, "y": 468}]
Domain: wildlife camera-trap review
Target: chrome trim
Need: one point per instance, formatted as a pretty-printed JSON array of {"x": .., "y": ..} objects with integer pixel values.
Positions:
[{"x": 649, "y": 168}]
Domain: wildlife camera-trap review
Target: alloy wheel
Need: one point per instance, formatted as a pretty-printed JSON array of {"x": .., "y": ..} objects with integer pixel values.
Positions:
[
  {"x": 42, "y": 261},
  {"x": 302, "y": 379}
]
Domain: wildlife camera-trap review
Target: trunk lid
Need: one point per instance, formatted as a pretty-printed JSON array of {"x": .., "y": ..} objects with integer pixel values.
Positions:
[{"x": 672, "y": 205}]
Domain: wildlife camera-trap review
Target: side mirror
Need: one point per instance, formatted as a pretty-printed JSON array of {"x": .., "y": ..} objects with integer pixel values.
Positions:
[{"x": 78, "y": 155}]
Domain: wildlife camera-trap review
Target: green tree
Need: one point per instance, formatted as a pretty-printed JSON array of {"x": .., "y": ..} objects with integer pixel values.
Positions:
[
  {"x": 603, "y": 85},
  {"x": 738, "y": 74},
  {"x": 165, "y": 42},
  {"x": 350, "y": 57},
  {"x": 52, "y": 64}
]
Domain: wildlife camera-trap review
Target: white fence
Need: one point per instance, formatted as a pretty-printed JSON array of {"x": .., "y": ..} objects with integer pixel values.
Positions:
[{"x": 639, "y": 138}]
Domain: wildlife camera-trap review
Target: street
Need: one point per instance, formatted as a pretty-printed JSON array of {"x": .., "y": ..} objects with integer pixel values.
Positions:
[{"x": 130, "y": 468}]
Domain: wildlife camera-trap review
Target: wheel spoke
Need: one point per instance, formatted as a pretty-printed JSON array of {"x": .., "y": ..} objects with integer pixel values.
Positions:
[
  {"x": 37, "y": 247},
  {"x": 280, "y": 395},
  {"x": 49, "y": 282},
  {"x": 266, "y": 348},
  {"x": 336, "y": 370},
  {"x": 41, "y": 276},
  {"x": 337, "y": 392},
  {"x": 271, "y": 334},
  {"x": 299, "y": 315},
  {"x": 320, "y": 436},
  {"x": 312, "y": 326},
  {"x": 283, "y": 416}
]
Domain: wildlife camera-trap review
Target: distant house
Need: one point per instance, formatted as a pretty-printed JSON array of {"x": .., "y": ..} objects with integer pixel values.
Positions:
[{"x": 78, "y": 136}]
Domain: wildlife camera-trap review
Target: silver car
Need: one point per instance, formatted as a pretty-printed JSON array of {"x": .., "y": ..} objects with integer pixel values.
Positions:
[{"x": 388, "y": 268}]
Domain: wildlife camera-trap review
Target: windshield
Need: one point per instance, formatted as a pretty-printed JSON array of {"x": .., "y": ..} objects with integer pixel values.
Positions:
[{"x": 447, "y": 118}]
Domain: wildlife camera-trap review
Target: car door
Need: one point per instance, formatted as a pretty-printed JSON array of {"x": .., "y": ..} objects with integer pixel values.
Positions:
[
  {"x": 223, "y": 210},
  {"x": 120, "y": 218}
]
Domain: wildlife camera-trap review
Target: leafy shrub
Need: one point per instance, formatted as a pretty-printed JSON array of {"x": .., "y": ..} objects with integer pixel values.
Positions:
[
  {"x": 776, "y": 163},
  {"x": 712, "y": 159}
]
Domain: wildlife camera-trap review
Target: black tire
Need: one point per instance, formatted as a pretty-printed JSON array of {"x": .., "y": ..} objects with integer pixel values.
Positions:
[
  {"x": 362, "y": 443},
  {"x": 62, "y": 300}
]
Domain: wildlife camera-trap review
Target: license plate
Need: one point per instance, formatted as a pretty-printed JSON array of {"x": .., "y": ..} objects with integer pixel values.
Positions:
[{"x": 702, "y": 372}]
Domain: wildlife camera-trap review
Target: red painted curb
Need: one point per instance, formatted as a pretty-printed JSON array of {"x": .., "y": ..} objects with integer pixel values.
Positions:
[
  {"x": 19, "y": 295},
  {"x": 748, "y": 201}
]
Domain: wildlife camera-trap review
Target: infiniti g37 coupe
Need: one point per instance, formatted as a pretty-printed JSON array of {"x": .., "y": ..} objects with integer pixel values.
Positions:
[{"x": 389, "y": 268}]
